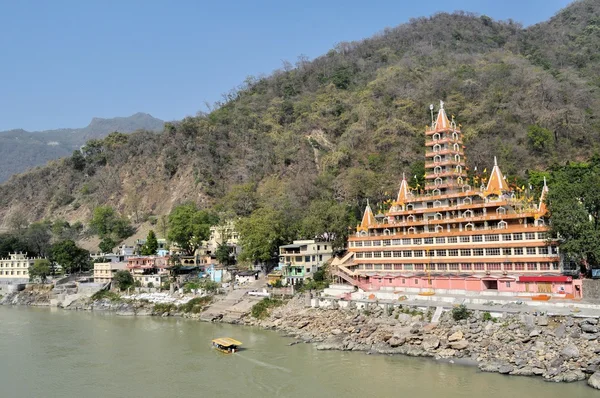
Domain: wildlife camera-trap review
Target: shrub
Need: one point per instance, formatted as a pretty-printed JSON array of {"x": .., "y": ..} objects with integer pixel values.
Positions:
[
  {"x": 123, "y": 280},
  {"x": 460, "y": 312},
  {"x": 106, "y": 294},
  {"x": 260, "y": 310},
  {"x": 195, "y": 305},
  {"x": 488, "y": 317},
  {"x": 150, "y": 284},
  {"x": 161, "y": 308}
]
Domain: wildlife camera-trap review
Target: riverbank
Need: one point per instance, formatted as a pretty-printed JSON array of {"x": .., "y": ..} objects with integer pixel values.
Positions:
[
  {"x": 555, "y": 348},
  {"x": 558, "y": 349}
]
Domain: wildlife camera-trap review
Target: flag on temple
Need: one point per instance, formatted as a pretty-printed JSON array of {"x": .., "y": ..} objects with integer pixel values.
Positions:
[{"x": 485, "y": 170}]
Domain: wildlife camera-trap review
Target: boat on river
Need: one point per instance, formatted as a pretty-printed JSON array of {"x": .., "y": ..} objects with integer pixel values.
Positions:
[{"x": 226, "y": 345}]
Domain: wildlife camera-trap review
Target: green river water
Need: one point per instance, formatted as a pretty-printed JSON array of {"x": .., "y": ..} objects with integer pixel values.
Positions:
[{"x": 56, "y": 353}]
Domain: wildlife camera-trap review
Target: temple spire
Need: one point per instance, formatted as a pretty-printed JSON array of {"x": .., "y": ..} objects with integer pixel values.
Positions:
[
  {"x": 442, "y": 121},
  {"x": 368, "y": 219},
  {"x": 496, "y": 185},
  {"x": 403, "y": 192},
  {"x": 542, "y": 205}
]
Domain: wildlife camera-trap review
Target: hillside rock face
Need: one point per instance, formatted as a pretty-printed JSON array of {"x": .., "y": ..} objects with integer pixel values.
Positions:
[{"x": 347, "y": 124}]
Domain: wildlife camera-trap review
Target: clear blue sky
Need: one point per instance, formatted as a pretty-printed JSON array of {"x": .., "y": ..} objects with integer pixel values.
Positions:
[{"x": 64, "y": 62}]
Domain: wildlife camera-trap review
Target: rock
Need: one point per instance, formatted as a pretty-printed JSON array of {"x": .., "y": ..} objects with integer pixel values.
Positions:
[
  {"x": 335, "y": 332},
  {"x": 456, "y": 336},
  {"x": 513, "y": 326},
  {"x": 489, "y": 366},
  {"x": 535, "y": 333},
  {"x": 431, "y": 342},
  {"x": 528, "y": 320},
  {"x": 594, "y": 381},
  {"x": 591, "y": 321},
  {"x": 570, "y": 351},
  {"x": 332, "y": 344},
  {"x": 524, "y": 371},
  {"x": 484, "y": 343},
  {"x": 396, "y": 341},
  {"x": 537, "y": 371},
  {"x": 459, "y": 345},
  {"x": 505, "y": 369},
  {"x": 591, "y": 369},
  {"x": 573, "y": 375},
  {"x": 560, "y": 330},
  {"x": 587, "y": 328},
  {"x": 589, "y": 336},
  {"x": 542, "y": 321}
]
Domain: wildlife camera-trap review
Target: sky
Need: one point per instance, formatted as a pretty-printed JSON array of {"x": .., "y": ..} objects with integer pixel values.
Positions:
[{"x": 63, "y": 62}]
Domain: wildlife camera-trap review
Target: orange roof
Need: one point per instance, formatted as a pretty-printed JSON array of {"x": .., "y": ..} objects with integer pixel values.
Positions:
[
  {"x": 403, "y": 192},
  {"x": 442, "y": 121},
  {"x": 367, "y": 220},
  {"x": 496, "y": 185}
]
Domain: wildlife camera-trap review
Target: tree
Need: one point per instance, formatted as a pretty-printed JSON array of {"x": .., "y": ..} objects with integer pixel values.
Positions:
[
  {"x": 328, "y": 219},
  {"x": 107, "y": 245},
  {"x": 574, "y": 204},
  {"x": 37, "y": 236},
  {"x": 123, "y": 280},
  {"x": 71, "y": 257},
  {"x": 109, "y": 226},
  {"x": 151, "y": 246},
  {"x": 17, "y": 221},
  {"x": 189, "y": 227},
  {"x": 539, "y": 138},
  {"x": 41, "y": 268},
  {"x": 261, "y": 234},
  {"x": 224, "y": 254}
]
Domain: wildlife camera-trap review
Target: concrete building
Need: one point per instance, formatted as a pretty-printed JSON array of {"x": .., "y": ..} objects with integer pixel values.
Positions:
[
  {"x": 148, "y": 270},
  {"x": 301, "y": 259},
  {"x": 163, "y": 246},
  {"x": 104, "y": 272},
  {"x": 15, "y": 268},
  {"x": 462, "y": 232},
  {"x": 122, "y": 254}
]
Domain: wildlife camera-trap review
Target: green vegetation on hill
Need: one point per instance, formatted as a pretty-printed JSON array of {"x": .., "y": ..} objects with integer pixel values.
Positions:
[{"x": 321, "y": 137}]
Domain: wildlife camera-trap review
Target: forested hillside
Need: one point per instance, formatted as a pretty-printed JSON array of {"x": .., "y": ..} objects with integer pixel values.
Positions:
[
  {"x": 330, "y": 133},
  {"x": 21, "y": 150}
]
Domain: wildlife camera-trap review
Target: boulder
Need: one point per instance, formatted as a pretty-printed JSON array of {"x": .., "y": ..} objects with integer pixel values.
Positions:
[
  {"x": 336, "y": 331},
  {"x": 594, "y": 381},
  {"x": 431, "y": 342},
  {"x": 505, "y": 369},
  {"x": 590, "y": 336},
  {"x": 456, "y": 336},
  {"x": 446, "y": 353},
  {"x": 535, "y": 333},
  {"x": 524, "y": 371},
  {"x": 542, "y": 321},
  {"x": 570, "y": 351},
  {"x": 489, "y": 366},
  {"x": 560, "y": 330},
  {"x": 573, "y": 375},
  {"x": 396, "y": 341},
  {"x": 459, "y": 345},
  {"x": 587, "y": 328}
]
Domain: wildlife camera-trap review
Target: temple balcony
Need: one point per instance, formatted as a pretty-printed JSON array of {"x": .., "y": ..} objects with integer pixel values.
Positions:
[
  {"x": 452, "y": 173},
  {"x": 453, "y": 207},
  {"x": 431, "y": 131},
  {"x": 476, "y": 217},
  {"x": 445, "y": 140},
  {"x": 447, "y": 162},
  {"x": 448, "y": 151},
  {"x": 373, "y": 233}
]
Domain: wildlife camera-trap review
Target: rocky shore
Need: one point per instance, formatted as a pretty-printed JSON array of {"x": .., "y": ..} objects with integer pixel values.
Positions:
[{"x": 558, "y": 349}]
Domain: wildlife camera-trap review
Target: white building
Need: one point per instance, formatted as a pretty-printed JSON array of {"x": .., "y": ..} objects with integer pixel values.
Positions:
[
  {"x": 301, "y": 259},
  {"x": 15, "y": 268}
]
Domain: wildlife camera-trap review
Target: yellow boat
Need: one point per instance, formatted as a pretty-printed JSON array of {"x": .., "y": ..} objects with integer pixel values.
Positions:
[{"x": 226, "y": 344}]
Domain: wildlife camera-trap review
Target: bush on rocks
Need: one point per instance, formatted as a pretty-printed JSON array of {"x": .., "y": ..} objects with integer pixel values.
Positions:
[
  {"x": 260, "y": 310},
  {"x": 459, "y": 313}
]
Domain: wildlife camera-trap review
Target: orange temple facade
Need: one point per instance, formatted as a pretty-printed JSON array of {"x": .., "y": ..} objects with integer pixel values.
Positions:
[{"x": 454, "y": 237}]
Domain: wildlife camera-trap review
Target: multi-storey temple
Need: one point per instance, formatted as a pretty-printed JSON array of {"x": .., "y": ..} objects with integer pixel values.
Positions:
[{"x": 454, "y": 236}]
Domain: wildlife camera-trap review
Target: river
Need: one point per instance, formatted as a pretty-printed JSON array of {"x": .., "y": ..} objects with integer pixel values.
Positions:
[{"x": 57, "y": 353}]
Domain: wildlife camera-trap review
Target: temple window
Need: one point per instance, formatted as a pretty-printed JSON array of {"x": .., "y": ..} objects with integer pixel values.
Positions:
[
  {"x": 440, "y": 253},
  {"x": 453, "y": 252},
  {"x": 540, "y": 222},
  {"x": 409, "y": 206},
  {"x": 436, "y": 136},
  {"x": 452, "y": 239},
  {"x": 478, "y": 252},
  {"x": 428, "y": 241},
  {"x": 518, "y": 236},
  {"x": 518, "y": 251},
  {"x": 459, "y": 169},
  {"x": 437, "y": 169},
  {"x": 469, "y": 225},
  {"x": 412, "y": 230},
  {"x": 438, "y": 203},
  {"x": 468, "y": 213},
  {"x": 457, "y": 158},
  {"x": 438, "y": 216},
  {"x": 437, "y": 148},
  {"x": 438, "y": 181},
  {"x": 543, "y": 250},
  {"x": 477, "y": 238},
  {"x": 500, "y": 210},
  {"x": 530, "y": 235},
  {"x": 418, "y": 253},
  {"x": 503, "y": 225},
  {"x": 455, "y": 136},
  {"x": 456, "y": 147},
  {"x": 436, "y": 192},
  {"x": 492, "y": 238},
  {"x": 440, "y": 240},
  {"x": 439, "y": 228},
  {"x": 531, "y": 251},
  {"x": 437, "y": 158}
]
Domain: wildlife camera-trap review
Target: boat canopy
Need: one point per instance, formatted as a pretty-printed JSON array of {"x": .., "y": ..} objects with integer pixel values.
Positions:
[{"x": 227, "y": 342}]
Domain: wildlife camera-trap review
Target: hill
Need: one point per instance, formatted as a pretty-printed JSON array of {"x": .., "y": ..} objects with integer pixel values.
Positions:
[
  {"x": 343, "y": 127},
  {"x": 21, "y": 150}
]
